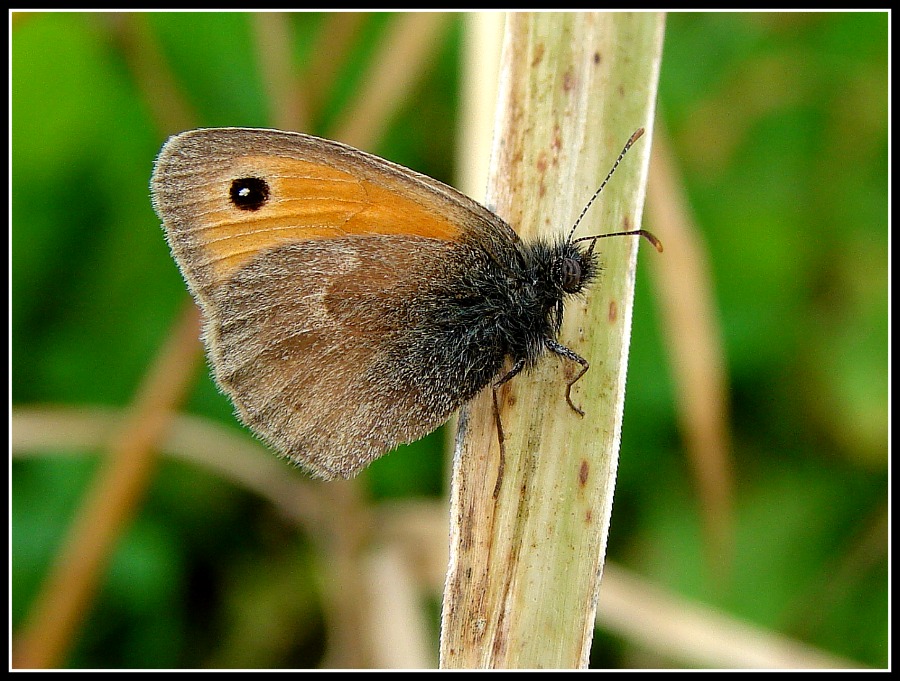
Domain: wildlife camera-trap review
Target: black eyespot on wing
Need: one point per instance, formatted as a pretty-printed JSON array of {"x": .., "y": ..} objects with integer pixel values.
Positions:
[{"x": 249, "y": 193}]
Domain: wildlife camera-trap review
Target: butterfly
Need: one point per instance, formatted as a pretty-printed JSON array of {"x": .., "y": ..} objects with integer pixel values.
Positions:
[{"x": 351, "y": 304}]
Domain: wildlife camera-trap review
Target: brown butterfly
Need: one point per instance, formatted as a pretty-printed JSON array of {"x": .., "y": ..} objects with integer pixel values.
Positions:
[{"x": 351, "y": 304}]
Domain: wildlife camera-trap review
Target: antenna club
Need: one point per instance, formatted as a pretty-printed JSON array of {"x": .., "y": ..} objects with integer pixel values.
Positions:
[{"x": 657, "y": 244}]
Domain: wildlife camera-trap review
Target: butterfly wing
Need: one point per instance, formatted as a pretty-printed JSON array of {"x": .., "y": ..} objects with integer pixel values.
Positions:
[{"x": 311, "y": 261}]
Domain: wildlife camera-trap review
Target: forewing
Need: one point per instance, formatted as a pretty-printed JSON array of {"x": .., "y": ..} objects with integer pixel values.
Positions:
[{"x": 319, "y": 189}]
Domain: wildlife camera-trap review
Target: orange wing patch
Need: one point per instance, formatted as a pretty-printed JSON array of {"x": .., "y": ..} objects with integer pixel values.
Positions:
[{"x": 307, "y": 200}]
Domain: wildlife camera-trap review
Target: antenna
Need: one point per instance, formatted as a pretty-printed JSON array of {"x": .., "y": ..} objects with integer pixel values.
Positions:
[{"x": 657, "y": 244}]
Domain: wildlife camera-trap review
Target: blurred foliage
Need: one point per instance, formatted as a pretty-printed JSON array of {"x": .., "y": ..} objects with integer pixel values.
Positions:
[{"x": 779, "y": 124}]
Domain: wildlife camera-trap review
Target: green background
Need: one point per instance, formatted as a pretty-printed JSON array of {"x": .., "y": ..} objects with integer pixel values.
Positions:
[{"x": 779, "y": 125}]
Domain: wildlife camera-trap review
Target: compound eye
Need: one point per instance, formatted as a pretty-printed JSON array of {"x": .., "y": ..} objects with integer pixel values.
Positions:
[{"x": 571, "y": 275}]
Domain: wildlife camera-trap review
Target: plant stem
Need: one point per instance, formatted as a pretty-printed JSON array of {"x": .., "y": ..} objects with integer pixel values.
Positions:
[{"x": 525, "y": 565}]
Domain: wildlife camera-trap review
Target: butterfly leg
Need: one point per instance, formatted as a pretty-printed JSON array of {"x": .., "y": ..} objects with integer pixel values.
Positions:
[
  {"x": 501, "y": 466},
  {"x": 563, "y": 351},
  {"x": 501, "y": 439},
  {"x": 517, "y": 368}
]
